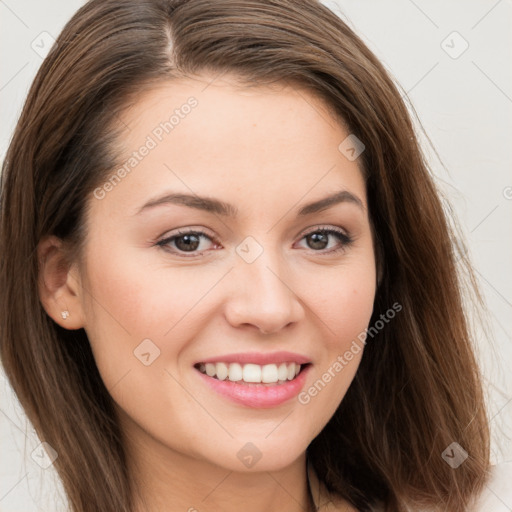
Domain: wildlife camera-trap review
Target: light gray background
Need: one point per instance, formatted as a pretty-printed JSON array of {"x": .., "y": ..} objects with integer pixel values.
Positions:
[{"x": 464, "y": 103}]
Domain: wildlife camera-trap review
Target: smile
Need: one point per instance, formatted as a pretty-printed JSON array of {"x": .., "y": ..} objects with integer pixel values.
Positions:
[
  {"x": 255, "y": 380},
  {"x": 251, "y": 373}
]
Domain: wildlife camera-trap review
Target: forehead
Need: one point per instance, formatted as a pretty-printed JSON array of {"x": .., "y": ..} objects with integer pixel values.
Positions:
[
  {"x": 233, "y": 104},
  {"x": 200, "y": 134}
]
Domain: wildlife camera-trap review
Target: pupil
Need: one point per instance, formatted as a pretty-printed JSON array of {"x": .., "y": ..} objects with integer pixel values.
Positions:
[
  {"x": 191, "y": 242},
  {"x": 318, "y": 238}
]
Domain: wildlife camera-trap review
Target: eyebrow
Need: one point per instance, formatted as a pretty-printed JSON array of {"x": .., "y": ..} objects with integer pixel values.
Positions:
[{"x": 216, "y": 206}]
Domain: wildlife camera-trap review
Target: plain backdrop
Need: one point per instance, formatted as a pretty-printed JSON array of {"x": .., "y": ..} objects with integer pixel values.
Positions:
[{"x": 452, "y": 62}]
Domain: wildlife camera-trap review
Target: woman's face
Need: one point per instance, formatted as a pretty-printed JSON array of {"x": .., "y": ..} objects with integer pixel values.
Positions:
[{"x": 206, "y": 248}]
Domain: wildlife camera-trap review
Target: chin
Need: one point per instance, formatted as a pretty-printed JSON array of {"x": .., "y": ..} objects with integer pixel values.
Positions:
[{"x": 254, "y": 453}]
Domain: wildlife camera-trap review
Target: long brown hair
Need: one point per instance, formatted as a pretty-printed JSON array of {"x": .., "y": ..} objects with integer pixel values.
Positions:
[{"x": 418, "y": 387}]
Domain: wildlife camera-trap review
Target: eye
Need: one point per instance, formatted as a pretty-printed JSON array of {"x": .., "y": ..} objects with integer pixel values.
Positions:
[
  {"x": 186, "y": 241},
  {"x": 318, "y": 240},
  {"x": 191, "y": 241}
]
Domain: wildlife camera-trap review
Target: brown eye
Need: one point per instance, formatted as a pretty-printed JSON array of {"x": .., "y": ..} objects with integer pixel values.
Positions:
[
  {"x": 186, "y": 242},
  {"x": 319, "y": 240}
]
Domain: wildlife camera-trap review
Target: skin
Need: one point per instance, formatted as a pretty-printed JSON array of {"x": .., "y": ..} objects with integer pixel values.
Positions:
[{"x": 267, "y": 151}]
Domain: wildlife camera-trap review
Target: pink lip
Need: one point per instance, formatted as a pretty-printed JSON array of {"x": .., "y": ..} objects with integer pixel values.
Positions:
[
  {"x": 257, "y": 396},
  {"x": 258, "y": 358}
]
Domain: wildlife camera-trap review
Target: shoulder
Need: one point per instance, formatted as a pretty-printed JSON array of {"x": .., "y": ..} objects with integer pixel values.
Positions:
[{"x": 496, "y": 496}]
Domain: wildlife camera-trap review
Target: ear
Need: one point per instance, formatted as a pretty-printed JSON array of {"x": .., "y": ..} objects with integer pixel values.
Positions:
[{"x": 59, "y": 284}]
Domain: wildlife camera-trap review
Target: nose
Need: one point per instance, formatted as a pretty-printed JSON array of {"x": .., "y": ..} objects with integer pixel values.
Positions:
[{"x": 263, "y": 295}]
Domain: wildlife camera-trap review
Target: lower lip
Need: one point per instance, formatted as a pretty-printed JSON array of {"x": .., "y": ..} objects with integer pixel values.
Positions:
[{"x": 258, "y": 396}]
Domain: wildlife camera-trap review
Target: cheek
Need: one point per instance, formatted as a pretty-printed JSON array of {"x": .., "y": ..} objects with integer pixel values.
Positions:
[
  {"x": 344, "y": 306},
  {"x": 131, "y": 299},
  {"x": 344, "y": 299},
  {"x": 135, "y": 295},
  {"x": 347, "y": 310}
]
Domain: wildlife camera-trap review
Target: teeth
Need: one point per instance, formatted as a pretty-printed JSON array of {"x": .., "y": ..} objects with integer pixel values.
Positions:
[
  {"x": 269, "y": 373},
  {"x": 252, "y": 373},
  {"x": 282, "y": 371},
  {"x": 222, "y": 371},
  {"x": 235, "y": 372}
]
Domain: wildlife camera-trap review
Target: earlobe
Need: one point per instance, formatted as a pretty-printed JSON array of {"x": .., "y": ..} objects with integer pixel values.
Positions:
[{"x": 59, "y": 286}]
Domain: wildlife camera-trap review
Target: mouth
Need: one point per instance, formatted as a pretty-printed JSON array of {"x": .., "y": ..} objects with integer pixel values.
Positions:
[
  {"x": 254, "y": 379},
  {"x": 252, "y": 373}
]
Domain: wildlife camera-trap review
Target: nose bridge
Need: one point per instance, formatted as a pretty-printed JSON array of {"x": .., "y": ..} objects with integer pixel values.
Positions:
[{"x": 262, "y": 294}]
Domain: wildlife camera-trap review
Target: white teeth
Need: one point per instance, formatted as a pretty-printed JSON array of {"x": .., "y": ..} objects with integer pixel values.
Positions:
[
  {"x": 253, "y": 373},
  {"x": 282, "y": 372},
  {"x": 235, "y": 372},
  {"x": 210, "y": 369},
  {"x": 269, "y": 373},
  {"x": 222, "y": 371}
]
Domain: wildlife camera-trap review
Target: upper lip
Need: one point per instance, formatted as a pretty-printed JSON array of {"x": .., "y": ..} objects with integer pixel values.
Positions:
[{"x": 260, "y": 358}]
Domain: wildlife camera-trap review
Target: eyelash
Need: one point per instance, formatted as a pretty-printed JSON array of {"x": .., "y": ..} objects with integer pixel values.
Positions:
[{"x": 346, "y": 241}]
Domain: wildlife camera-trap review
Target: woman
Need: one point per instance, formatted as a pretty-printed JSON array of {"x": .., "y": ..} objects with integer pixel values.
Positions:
[{"x": 241, "y": 282}]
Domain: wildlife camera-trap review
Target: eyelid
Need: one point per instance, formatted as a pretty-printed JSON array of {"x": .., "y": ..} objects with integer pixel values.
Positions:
[
  {"x": 328, "y": 227},
  {"x": 186, "y": 231},
  {"x": 166, "y": 239}
]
